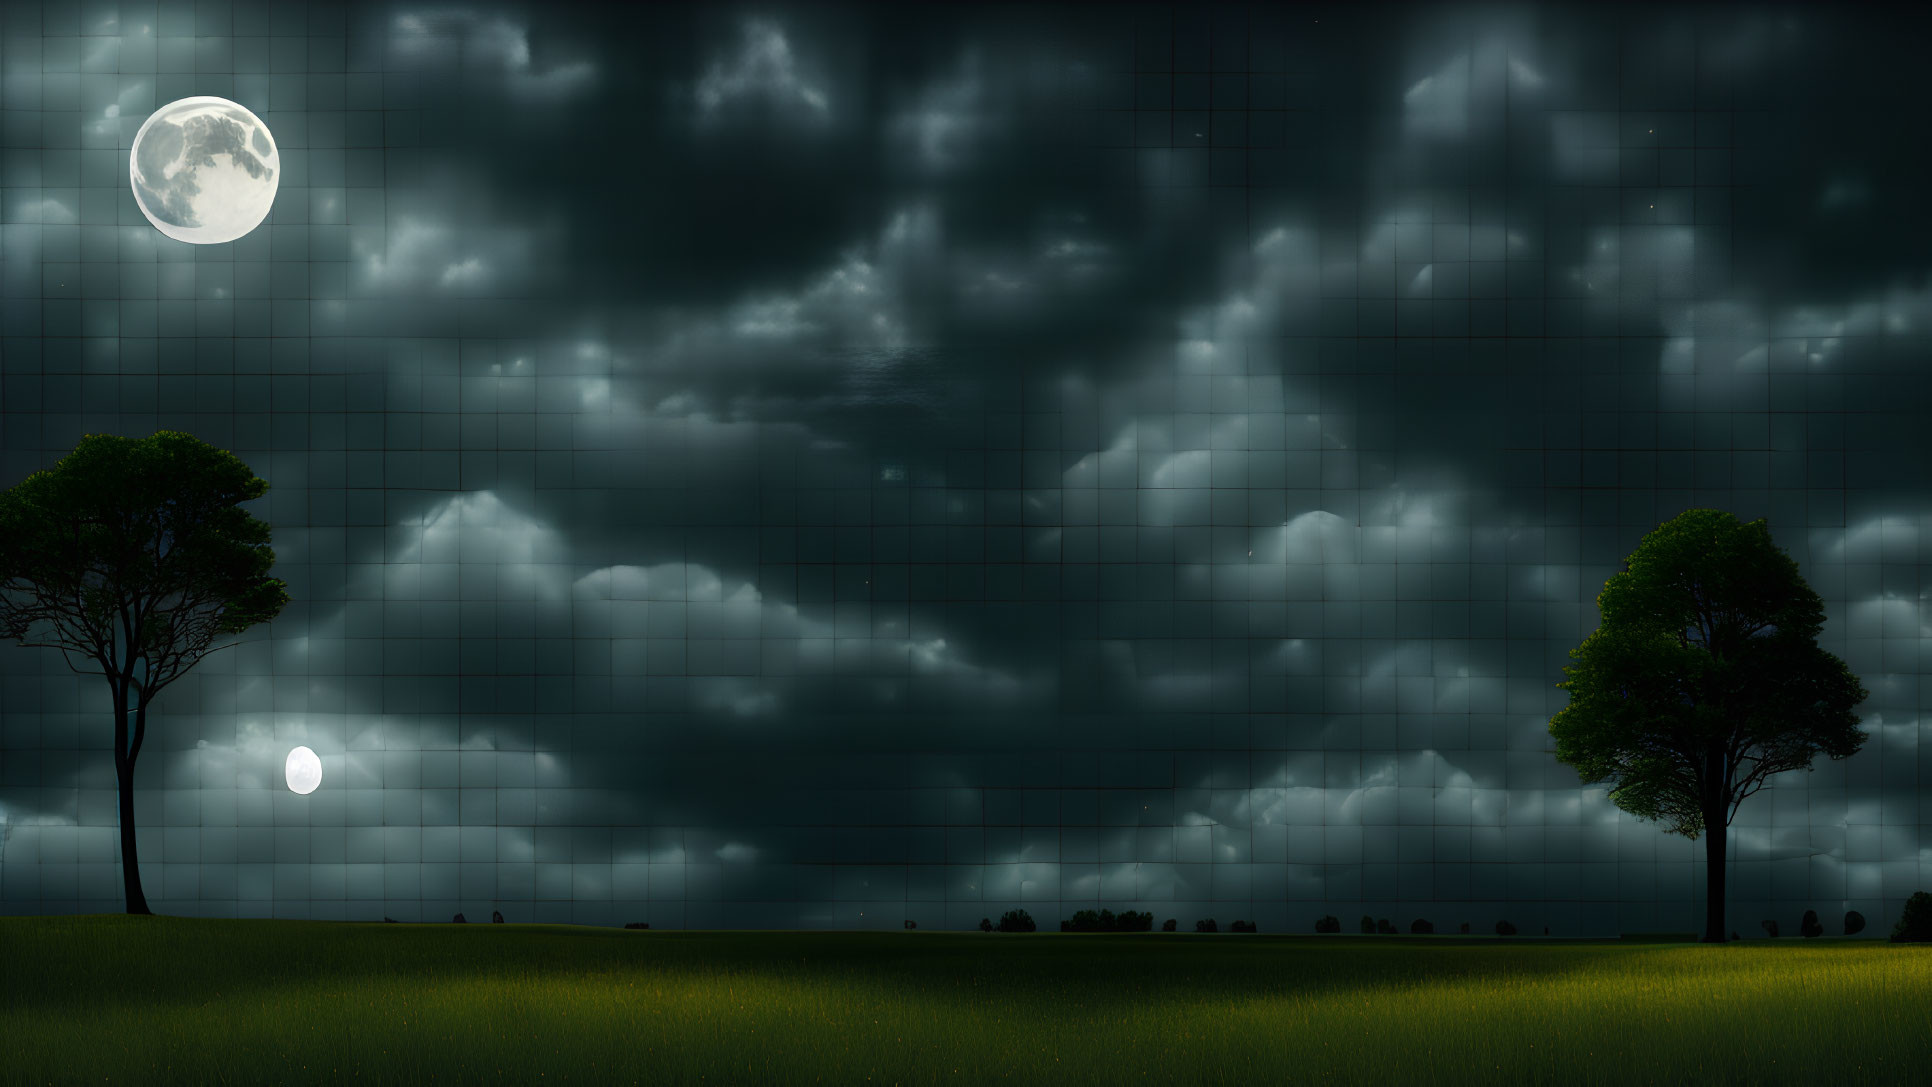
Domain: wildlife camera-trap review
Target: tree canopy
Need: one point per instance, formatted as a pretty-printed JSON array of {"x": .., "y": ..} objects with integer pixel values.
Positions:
[
  {"x": 134, "y": 559},
  {"x": 1704, "y": 678}
]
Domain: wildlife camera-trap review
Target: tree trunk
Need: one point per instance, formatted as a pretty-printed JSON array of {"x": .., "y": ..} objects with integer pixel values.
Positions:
[
  {"x": 137, "y": 902},
  {"x": 1714, "y": 834}
]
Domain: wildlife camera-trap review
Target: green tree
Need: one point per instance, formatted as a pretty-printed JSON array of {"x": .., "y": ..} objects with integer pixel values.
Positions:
[
  {"x": 1703, "y": 679},
  {"x": 133, "y": 558}
]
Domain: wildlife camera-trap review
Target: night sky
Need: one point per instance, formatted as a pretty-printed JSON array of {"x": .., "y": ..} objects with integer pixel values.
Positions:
[{"x": 806, "y": 466}]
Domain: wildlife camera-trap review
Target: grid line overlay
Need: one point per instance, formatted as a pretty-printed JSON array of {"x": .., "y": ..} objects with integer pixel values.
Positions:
[{"x": 1306, "y": 573}]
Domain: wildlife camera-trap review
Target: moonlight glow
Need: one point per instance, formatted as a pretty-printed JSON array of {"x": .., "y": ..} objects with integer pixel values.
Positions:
[
  {"x": 204, "y": 170},
  {"x": 304, "y": 771}
]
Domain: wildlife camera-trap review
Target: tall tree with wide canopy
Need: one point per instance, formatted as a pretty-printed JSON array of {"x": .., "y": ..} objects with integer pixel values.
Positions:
[
  {"x": 1703, "y": 680},
  {"x": 134, "y": 558}
]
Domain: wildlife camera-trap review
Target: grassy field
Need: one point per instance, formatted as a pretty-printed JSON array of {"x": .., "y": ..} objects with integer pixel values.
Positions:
[{"x": 171, "y": 1000}]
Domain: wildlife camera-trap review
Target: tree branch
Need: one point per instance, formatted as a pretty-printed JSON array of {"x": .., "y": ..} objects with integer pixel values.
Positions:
[{"x": 140, "y": 730}]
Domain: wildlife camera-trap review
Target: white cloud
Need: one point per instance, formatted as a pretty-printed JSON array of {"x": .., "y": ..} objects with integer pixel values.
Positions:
[
  {"x": 1725, "y": 342},
  {"x": 1294, "y": 793},
  {"x": 1283, "y": 269},
  {"x": 869, "y": 310},
  {"x": 741, "y": 651},
  {"x": 858, "y": 304},
  {"x": 1315, "y": 536},
  {"x": 1637, "y": 264},
  {"x": 1079, "y": 255},
  {"x": 130, "y": 104},
  {"x": 422, "y": 252},
  {"x": 1888, "y": 615},
  {"x": 745, "y": 633},
  {"x": 737, "y": 851},
  {"x": 938, "y": 128},
  {"x": 1413, "y": 507},
  {"x": 764, "y": 68},
  {"x": 466, "y": 272},
  {"x": 529, "y": 560},
  {"x": 1445, "y": 103},
  {"x": 853, "y": 299},
  {"x": 1868, "y": 541},
  {"x": 45, "y": 210},
  {"x": 1438, "y": 103},
  {"x": 449, "y": 36},
  {"x": 667, "y": 581},
  {"x": 1524, "y": 76}
]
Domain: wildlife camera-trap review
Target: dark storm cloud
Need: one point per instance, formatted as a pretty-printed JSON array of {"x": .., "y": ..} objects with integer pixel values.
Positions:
[
  {"x": 1839, "y": 218},
  {"x": 762, "y": 74},
  {"x": 487, "y": 47},
  {"x": 451, "y": 239},
  {"x": 694, "y": 661},
  {"x": 1097, "y": 441},
  {"x": 860, "y": 112},
  {"x": 842, "y": 344}
]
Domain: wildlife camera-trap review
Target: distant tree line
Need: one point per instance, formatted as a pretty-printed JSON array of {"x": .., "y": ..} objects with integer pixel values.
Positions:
[
  {"x": 1018, "y": 920},
  {"x": 1209, "y": 924},
  {"x": 1914, "y": 923},
  {"x": 1108, "y": 921},
  {"x": 1809, "y": 926}
]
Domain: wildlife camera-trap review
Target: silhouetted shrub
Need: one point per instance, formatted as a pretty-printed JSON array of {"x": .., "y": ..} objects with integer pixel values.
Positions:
[
  {"x": 1206, "y": 924},
  {"x": 1915, "y": 920},
  {"x": 1017, "y": 921},
  {"x": 912, "y": 924},
  {"x": 1734, "y": 934},
  {"x": 1419, "y": 927},
  {"x": 1384, "y": 927},
  {"x": 986, "y": 924},
  {"x": 1368, "y": 925},
  {"x": 458, "y": 920},
  {"x": 1108, "y": 921},
  {"x": 638, "y": 924},
  {"x": 496, "y": 917},
  {"x": 1854, "y": 922},
  {"x": 1770, "y": 928},
  {"x": 1504, "y": 928},
  {"x": 1242, "y": 926},
  {"x": 1465, "y": 928},
  {"x": 1169, "y": 925},
  {"x": 1809, "y": 926},
  {"x": 1328, "y": 923}
]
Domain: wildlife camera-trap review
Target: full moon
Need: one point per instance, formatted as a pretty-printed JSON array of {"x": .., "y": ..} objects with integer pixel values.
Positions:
[
  {"x": 204, "y": 170},
  {"x": 304, "y": 770}
]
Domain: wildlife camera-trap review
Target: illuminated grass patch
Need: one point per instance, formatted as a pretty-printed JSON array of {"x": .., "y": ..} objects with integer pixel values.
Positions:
[{"x": 171, "y": 1000}]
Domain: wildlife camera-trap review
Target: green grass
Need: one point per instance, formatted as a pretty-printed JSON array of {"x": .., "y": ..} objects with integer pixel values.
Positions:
[{"x": 171, "y": 1000}]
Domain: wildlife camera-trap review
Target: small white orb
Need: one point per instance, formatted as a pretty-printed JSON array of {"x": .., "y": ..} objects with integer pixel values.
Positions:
[
  {"x": 204, "y": 170},
  {"x": 304, "y": 771}
]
